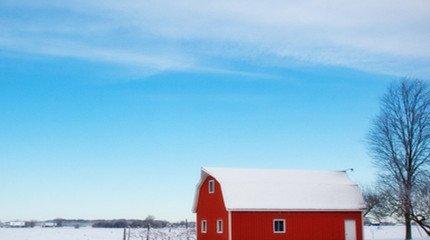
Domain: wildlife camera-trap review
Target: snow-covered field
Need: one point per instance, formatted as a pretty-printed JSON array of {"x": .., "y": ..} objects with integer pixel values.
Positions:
[
  {"x": 88, "y": 233},
  {"x": 392, "y": 233},
  {"x": 376, "y": 233}
]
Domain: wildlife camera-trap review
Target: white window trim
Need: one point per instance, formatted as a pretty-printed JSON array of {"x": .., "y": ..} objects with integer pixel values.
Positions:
[
  {"x": 211, "y": 182},
  {"x": 276, "y": 220},
  {"x": 219, "y": 230},
  {"x": 205, "y": 228}
]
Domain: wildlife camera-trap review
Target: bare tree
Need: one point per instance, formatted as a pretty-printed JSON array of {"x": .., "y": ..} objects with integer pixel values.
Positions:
[
  {"x": 376, "y": 208},
  {"x": 399, "y": 142},
  {"x": 371, "y": 198}
]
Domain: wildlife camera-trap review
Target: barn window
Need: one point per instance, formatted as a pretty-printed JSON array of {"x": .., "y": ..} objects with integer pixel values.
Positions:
[
  {"x": 204, "y": 226},
  {"x": 279, "y": 226},
  {"x": 219, "y": 226},
  {"x": 211, "y": 186}
]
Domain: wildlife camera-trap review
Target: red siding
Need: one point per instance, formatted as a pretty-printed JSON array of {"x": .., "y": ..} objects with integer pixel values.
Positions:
[
  {"x": 211, "y": 207},
  {"x": 299, "y": 225}
]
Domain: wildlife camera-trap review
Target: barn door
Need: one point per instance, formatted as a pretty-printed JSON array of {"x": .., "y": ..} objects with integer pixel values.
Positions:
[{"x": 350, "y": 230}]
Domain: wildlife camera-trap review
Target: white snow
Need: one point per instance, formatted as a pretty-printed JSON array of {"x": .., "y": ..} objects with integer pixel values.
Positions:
[
  {"x": 275, "y": 189},
  {"x": 392, "y": 233},
  {"x": 88, "y": 233},
  {"x": 38, "y": 233},
  {"x": 65, "y": 233}
]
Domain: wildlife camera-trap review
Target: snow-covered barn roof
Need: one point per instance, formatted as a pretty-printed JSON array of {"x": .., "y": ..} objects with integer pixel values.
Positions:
[{"x": 280, "y": 190}]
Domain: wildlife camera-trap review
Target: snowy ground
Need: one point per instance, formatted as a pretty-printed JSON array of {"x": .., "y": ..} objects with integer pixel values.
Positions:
[
  {"x": 392, "y": 233},
  {"x": 371, "y": 233}
]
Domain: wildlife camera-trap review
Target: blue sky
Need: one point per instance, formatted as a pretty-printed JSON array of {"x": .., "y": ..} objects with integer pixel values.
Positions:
[{"x": 109, "y": 109}]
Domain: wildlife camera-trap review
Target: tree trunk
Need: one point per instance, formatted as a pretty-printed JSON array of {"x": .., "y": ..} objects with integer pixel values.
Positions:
[
  {"x": 407, "y": 213},
  {"x": 408, "y": 233}
]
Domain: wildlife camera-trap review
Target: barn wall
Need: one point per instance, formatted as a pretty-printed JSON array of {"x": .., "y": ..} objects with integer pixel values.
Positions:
[
  {"x": 299, "y": 225},
  {"x": 211, "y": 207}
]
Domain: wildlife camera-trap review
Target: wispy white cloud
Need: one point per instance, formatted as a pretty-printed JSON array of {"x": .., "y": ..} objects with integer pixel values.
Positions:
[{"x": 379, "y": 36}]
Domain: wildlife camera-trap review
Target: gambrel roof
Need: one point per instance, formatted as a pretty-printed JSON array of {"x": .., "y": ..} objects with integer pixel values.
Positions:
[{"x": 284, "y": 190}]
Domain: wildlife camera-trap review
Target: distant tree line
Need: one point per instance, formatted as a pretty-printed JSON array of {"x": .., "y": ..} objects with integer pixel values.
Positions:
[
  {"x": 150, "y": 221},
  {"x": 60, "y": 222}
]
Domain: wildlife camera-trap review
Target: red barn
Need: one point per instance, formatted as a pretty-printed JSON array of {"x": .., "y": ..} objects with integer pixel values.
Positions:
[{"x": 261, "y": 204}]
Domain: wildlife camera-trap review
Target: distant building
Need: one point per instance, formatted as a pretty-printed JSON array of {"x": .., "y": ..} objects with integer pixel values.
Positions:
[
  {"x": 15, "y": 224},
  {"x": 49, "y": 224}
]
